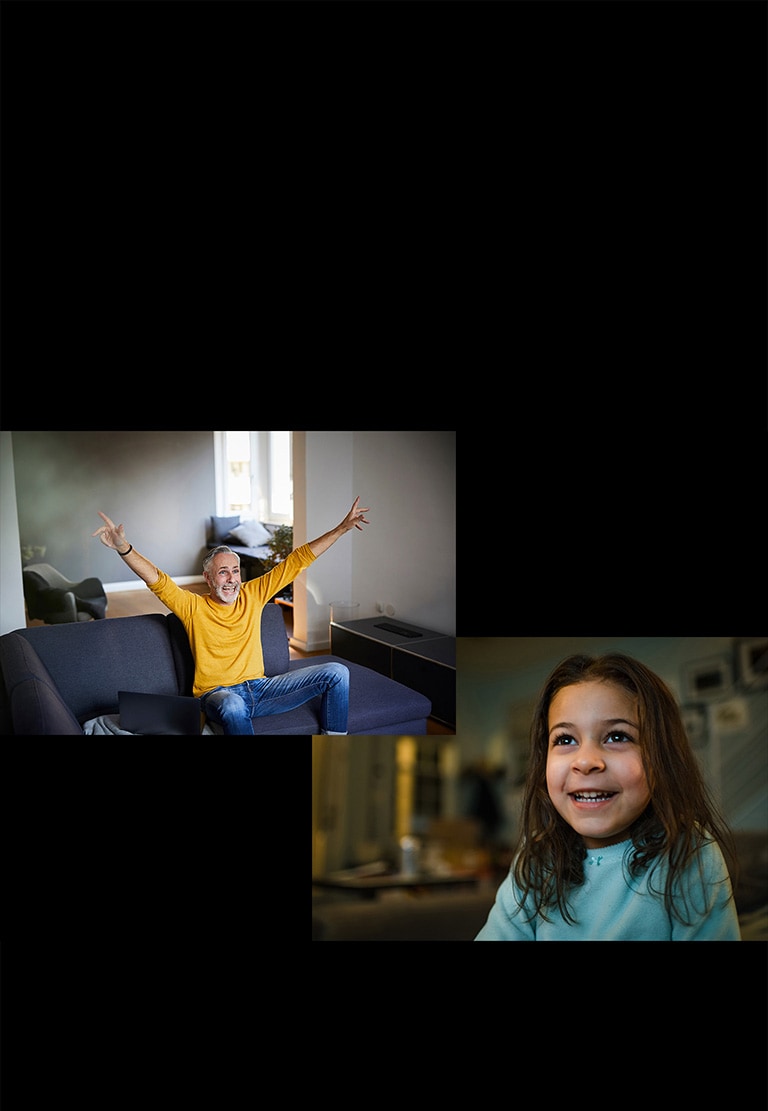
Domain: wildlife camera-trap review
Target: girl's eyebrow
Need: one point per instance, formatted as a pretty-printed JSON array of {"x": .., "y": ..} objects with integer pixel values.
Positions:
[{"x": 607, "y": 721}]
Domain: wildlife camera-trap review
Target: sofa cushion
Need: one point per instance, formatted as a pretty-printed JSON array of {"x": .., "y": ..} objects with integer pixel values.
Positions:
[
  {"x": 274, "y": 640},
  {"x": 251, "y": 534},
  {"x": 36, "y": 705},
  {"x": 90, "y": 662},
  {"x": 374, "y": 701},
  {"x": 182, "y": 654},
  {"x": 220, "y": 527}
]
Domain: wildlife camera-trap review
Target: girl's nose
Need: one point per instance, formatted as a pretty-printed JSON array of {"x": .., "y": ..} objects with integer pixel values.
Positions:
[{"x": 588, "y": 759}]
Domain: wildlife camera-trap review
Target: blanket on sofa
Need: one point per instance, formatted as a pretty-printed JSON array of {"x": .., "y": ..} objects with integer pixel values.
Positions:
[{"x": 108, "y": 725}]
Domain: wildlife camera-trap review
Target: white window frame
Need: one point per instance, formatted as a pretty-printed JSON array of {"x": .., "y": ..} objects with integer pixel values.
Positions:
[{"x": 261, "y": 444}]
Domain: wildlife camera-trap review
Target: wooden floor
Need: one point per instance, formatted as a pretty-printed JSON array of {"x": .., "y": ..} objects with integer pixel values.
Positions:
[{"x": 130, "y": 603}]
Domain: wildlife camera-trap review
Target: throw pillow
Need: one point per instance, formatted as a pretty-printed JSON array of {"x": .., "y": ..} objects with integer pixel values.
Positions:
[
  {"x": 250, "y": 533},
  {"x": 221, "y": 527}
]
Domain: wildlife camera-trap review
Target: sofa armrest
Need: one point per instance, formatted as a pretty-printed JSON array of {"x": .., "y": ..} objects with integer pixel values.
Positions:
[{"x": 37, "y": 708}]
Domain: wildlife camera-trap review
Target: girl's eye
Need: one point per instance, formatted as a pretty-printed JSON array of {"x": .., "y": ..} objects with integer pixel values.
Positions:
[
  {"x": 563, "y": 739},
  {"x": 566, "y": 740}
]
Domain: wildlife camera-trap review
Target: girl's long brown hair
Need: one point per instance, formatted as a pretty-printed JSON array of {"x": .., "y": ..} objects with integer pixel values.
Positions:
[{"x": 679, "y": 818}]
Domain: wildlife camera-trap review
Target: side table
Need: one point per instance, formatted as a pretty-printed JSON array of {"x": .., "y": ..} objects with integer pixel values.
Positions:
[
  {"x": 425, "y": 660},
  {"x": 368, "y": 886}
]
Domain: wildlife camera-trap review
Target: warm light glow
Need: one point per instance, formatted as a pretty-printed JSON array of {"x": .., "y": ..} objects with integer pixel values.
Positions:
[
  {"x": 449, "y": 759},
  {"x": 406, "y": 785},
  {"x": 449, "y": 770}
]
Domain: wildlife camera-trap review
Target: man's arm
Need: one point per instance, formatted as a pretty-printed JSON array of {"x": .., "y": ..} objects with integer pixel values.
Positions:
[
  {"x": 352, "y": 519},
  {"x": 113, "y": 536}
]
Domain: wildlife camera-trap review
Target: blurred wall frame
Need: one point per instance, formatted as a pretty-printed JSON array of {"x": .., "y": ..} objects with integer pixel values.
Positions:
[
  {"x": 695, "y": 722},
  {"x": 707, "y": 679},
  {"x": 731, "y": 715},
  {"x": 752, "y": 662}
]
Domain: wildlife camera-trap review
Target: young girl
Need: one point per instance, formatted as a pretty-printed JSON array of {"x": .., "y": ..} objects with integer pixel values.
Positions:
[{"x": 620, "y": 840}]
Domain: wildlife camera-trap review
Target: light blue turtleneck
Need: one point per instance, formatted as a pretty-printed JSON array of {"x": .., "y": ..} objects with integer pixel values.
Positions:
[{"x": 612, "y": 906}]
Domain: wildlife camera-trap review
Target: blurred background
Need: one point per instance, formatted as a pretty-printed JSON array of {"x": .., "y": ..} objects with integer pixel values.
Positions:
[{"x": 412, "y": 835}]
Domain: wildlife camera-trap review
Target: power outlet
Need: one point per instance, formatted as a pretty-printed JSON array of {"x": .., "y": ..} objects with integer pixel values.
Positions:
[
  {"x": 379, "y": 607},
  {"x": 390, "y": 611}
]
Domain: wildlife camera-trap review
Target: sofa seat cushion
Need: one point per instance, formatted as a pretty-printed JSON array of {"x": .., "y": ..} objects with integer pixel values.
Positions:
[
  {"x": 375, "y": 704},
  {"x": 375, "y": 700}
]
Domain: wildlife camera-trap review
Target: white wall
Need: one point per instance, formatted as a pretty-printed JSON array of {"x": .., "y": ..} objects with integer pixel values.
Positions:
[
  {"x": 322, "y": 471},
  {"x": 409, "y": 479},
  {"x": 406, "y": 557},
  {"x": 12, "y": 615}
]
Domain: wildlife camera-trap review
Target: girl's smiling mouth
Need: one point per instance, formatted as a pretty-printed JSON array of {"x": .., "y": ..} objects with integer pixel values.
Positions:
[{"x": 591, "y": 799}]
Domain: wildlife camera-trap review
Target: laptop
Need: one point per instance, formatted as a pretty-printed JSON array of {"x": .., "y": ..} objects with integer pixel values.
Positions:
[{"x": 161, "y": 714}]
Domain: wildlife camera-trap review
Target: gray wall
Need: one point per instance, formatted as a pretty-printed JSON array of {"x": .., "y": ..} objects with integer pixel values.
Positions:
[{"x": 160, "y": 485}]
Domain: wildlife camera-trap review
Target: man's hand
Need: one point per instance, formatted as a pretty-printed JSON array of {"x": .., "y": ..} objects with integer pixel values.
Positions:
[
  {"x": 110, "y": 534},
  {"x": 352, "y": 520},
  {"x": 354, "y": 516},
  {"x": 113, "y": 536}
]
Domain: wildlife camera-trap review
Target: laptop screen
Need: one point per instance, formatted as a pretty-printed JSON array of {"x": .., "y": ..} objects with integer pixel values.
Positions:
[{"x": 160, "y": 714}]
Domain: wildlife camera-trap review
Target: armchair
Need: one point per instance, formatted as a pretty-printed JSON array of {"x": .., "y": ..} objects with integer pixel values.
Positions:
[{"x": 53, "y": 599}]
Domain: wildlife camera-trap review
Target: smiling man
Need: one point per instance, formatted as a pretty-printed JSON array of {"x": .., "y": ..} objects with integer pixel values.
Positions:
[
  {"x": 221, "y": 570},
  {"x": 224, "y": 630}
]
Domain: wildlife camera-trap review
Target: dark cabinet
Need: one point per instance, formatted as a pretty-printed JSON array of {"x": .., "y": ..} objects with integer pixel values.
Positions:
[{"x": 425, "y": 660}]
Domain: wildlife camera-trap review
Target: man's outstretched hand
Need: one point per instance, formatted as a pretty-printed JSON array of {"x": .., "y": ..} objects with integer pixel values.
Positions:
[
  {"x": 110, "y": 534},
  {"x": 354, "y": 519},
  {"x": 355, "y": 516}
]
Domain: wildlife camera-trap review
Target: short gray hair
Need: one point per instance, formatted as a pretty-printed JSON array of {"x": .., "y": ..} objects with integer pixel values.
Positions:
[{"x": 217, "y": 551}]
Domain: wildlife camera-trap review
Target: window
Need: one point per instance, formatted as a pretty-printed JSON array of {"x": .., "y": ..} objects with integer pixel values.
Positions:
[
  {"x": 254, "y": 476},
  {"x": 238, "y": 474},
  {"x": 280, "y": 477}
]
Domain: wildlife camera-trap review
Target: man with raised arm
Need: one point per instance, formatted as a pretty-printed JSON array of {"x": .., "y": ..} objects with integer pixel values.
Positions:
[{"x": 224, "y": 630}]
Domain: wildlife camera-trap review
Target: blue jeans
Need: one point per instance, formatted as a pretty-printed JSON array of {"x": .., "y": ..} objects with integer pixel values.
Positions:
[{"x": 233, "y": 707}]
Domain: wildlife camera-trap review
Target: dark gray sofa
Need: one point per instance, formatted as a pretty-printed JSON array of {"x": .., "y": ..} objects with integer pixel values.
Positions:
[{"x": 57, "y": 677}]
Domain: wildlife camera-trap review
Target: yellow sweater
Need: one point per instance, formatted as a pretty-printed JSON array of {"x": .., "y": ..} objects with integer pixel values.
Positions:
[{"x": 226, "y": 640}]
